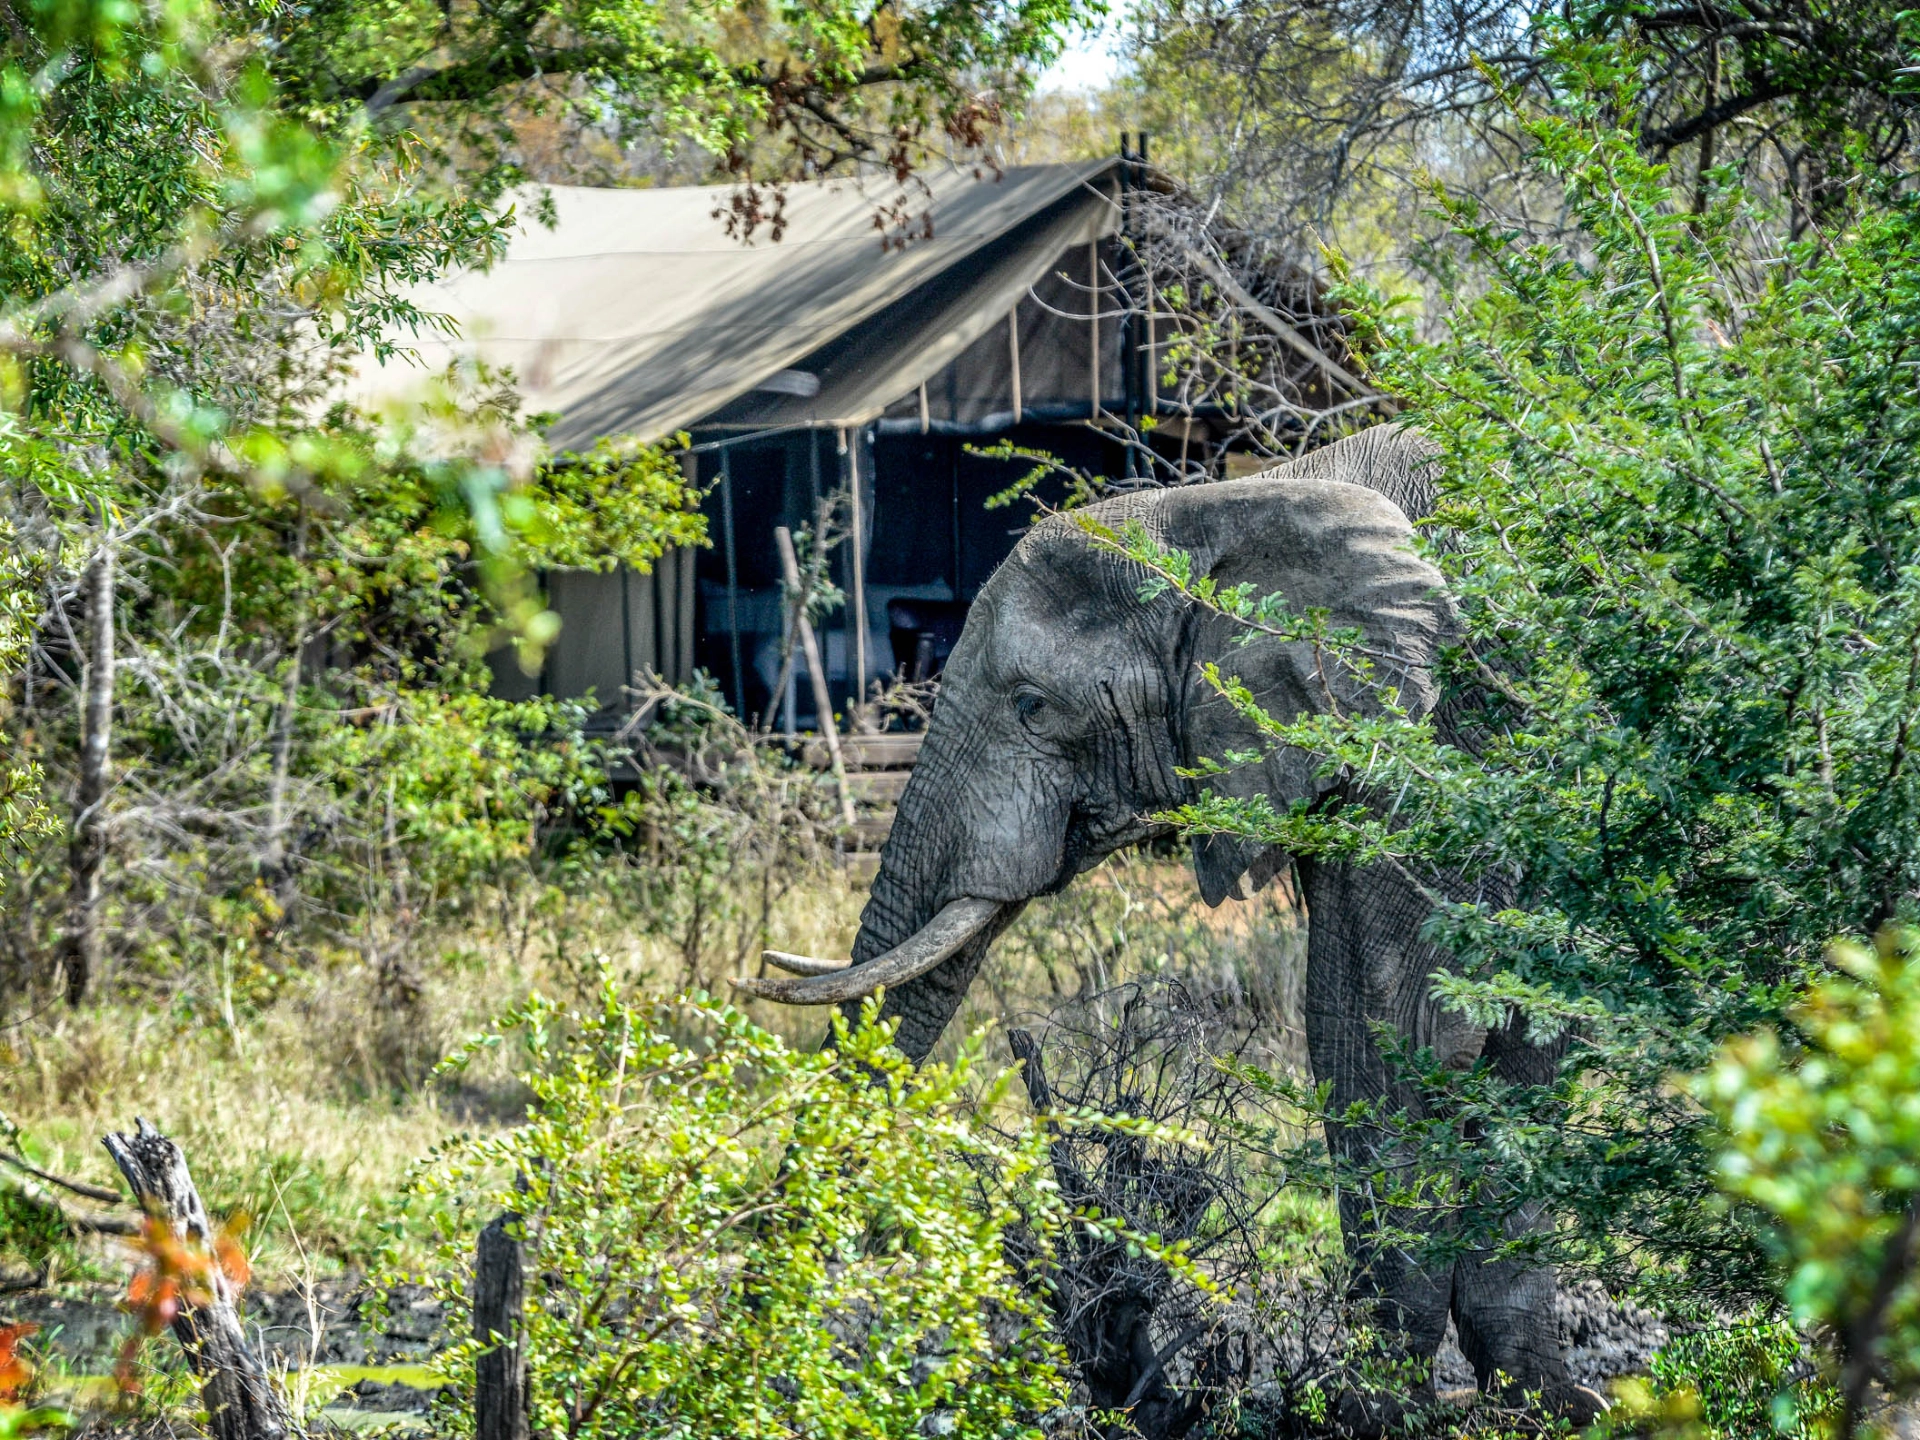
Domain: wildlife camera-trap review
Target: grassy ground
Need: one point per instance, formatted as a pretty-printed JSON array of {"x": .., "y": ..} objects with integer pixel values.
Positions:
[{"x": 304, "y": 1113}]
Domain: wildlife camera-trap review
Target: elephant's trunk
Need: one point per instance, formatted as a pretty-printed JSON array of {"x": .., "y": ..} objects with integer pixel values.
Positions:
[{"x": 933, "y": 909}]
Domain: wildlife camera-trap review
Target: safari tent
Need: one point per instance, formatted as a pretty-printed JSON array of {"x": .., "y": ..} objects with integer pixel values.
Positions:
[{"x": 881, "y": 338}]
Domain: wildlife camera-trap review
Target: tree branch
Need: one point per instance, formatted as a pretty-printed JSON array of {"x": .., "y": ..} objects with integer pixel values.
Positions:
[
  {"x": 91, "y": 1192},
  {"x": 1291, "y": 337},
  {"x": 1667, "y": 137},
  {"x": 517, "y": 63},
  {"x": 81, "y": 1222}
]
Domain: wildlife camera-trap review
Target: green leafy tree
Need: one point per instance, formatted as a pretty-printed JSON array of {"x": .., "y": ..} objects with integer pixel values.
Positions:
[
  {"x": 797, "y": 90},
  {"x": 208, "y": 211},
  {"x": 736, "y": 1237},
  {"x": 1676, "y": 483},
  {"x": 1312, "y": 118}
]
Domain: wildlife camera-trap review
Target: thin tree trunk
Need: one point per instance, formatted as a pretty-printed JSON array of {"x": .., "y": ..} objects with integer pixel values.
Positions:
[
  {"x": 1706, "y": 138},
  {"x": 87, "y": 853},
  {"x": 278, "y": 866},
  {"x": 798, "y": 599},
  {"x": 829, "y": 732},
  {"x": 276, "y": 856},
  {"x": 1860, "y": 1334}
]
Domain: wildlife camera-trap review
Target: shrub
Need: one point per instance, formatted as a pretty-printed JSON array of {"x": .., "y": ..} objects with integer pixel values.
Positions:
[
  {"x": 1747, "y": 1379},
  {"x": 1820, "y": 1129},
  {"x": 731, "y": 1237},
  {"x": 1676, "y": 489}
]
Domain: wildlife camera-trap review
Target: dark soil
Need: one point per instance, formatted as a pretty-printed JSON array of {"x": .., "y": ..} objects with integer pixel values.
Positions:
[
  {"x": 331, "y": 1325},
  {"x": 334, "y": 1325}
]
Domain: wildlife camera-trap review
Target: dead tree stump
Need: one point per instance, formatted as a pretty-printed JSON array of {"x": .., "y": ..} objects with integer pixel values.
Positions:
[
  {"x": 502, "y": 1384},
  {"x": 241, "y": 1403}
]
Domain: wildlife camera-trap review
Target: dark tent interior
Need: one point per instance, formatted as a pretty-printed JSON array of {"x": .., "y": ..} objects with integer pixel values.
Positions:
[
  {"x": 829, "y": 365},
  {"x": 929, "y": 542}
]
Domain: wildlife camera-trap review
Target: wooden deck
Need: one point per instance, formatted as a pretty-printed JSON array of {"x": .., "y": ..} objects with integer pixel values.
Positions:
[{"x": 878, "y": 767}]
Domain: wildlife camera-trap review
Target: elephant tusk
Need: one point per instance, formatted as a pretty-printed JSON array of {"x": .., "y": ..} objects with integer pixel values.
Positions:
[
  {"x": 803, "y": 964},
  {"x": 957, "y": 923}
]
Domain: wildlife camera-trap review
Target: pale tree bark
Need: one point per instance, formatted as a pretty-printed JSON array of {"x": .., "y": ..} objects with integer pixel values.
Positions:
[
  {"x": 829, "y": 730},
  {"x": 240, "y": 1398},
  {"x": 278, "y": 864},
  {"x": 87, "y": 852}
]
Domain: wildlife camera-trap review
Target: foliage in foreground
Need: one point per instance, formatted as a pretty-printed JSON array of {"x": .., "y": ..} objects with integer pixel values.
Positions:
[
  {"x": 18, "y": 1418},
  {"x": 1816, "y": 1128},
  {"x": 242, "y": 622},
  {"x": 1821, "y": 1131},
  {"x": 1750, "y": 1378},
  {"x": 1677, "y": 483},
  {"x": 735, "y": 1237}
]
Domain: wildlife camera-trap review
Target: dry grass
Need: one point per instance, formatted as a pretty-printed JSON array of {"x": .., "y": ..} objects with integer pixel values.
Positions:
[
  {"x": 1137, "y": 916},
  {"x": 266, "y": 1123},
  {"x": 304, "y": 1113}
]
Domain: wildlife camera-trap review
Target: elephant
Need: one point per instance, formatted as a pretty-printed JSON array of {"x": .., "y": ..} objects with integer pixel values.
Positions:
[{"x": 1067, "y": 712}]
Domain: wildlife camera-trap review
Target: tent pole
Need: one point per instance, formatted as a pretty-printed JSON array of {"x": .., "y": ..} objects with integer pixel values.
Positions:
[
  {"x": 925, "y": 424},
  {"x": 733, "y": 581},
  {"x": 789, "y": 642},
  {"x": 1093, "y": 330},
  {"x": 1150, "y": 381},
  {"x": 953, "y": 465},
  {"x": 1013, "y": 347},
  {"x": 858, "y": 613},
  {"x": 1130, "y": 321},
  {"x": 626, "y": 630},
  {"x": 844, "y": 469},
  {"x": 792, "y": 698}
]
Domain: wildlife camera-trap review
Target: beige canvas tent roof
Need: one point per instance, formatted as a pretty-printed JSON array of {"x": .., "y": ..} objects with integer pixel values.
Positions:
[{"x": 637, "y": 314}]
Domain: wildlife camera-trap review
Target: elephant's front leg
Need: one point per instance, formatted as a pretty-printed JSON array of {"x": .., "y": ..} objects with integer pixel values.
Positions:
[
  {"x": 1504, "y": 1308},
  {"x": 1362, "y": 930},
  {"x": 1367, "y": 967}
]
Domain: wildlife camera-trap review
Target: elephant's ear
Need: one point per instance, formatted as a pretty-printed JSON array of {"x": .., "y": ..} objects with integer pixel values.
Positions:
[
  {"x": 1228, "y": 867},
  {"x": 1218, "y": 863},
  {"x": 1324, "y": 545}
]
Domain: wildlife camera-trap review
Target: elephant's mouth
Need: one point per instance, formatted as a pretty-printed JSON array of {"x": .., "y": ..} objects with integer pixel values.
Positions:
[{"x": 832, "y": 982}]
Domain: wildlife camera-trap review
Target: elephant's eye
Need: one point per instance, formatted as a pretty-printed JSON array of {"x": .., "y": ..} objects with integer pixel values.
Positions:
[{"x": 1029, "y": 703}]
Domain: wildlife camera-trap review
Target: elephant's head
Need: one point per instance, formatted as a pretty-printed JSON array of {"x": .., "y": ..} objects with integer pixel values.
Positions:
[{"x": 1069, "y": 708}]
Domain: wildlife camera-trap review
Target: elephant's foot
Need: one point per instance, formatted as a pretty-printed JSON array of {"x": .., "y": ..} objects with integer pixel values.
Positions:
[
  {"x": 1505, "y": 1317},
  {"x": 1371, "y": 1414}
]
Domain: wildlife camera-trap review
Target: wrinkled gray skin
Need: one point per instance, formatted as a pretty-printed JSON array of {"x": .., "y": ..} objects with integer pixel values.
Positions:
[{"x": 1064, "y": 712}]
